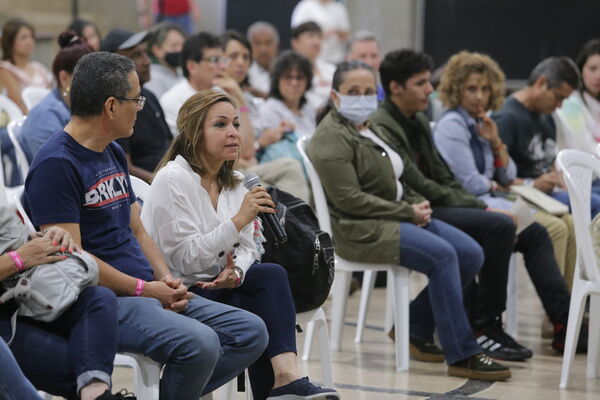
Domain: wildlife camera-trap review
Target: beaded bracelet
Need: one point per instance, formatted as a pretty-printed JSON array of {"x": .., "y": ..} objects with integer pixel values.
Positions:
[
  {"x": 139, "y": 287},
  {"x": 19, "y": 265}
]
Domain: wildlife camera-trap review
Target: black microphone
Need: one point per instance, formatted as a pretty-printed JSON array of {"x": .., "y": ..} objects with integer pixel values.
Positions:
[{"x": 274, "y": 230}]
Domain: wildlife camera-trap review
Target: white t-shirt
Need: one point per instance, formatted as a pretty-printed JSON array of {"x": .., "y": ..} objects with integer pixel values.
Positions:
[
  {"x": 395, "y": 159},
  {"x": 162, "y": 79},
  {"x": 259, "y": 77},
  {"x": 172, "y": 101},
  {"x": 329, "y": 16},
  {"x": 321, "y": 84},
  {"x": 274, "y": 111}
]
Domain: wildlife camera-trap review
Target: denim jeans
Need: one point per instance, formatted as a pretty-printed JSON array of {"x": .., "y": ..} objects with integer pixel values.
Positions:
[
  {"x": 495, "y": 233},
  {"x": 62, "y": 356},
  {"x": 563, "y": 197},
  {"x": 208, "y": 341},
  {"x": 13, "y": 384},
  {"x": 265, "y": 292},
  {"x": 449, "y": 258},
  {"x": 184, "y": 21}
]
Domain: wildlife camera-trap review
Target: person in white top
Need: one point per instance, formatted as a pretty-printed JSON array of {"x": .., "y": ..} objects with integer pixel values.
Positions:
[
  {"x": 264, "y": 39},
  {"x": 166, "y": 43},
  {"x": 17, "y": 70},
  {"x": 306, "y": 40},
  {"x": 332, "y": 17},
  {"x": 205, "y": 223},
  {"x": 364, "y": 46}
]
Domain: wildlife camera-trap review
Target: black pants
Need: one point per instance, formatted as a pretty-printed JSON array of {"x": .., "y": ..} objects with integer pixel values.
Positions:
[
  {"x": 536, "y": 246},
  {"x": 265, "y": 292},
  {"x": 495, "y": 233}
]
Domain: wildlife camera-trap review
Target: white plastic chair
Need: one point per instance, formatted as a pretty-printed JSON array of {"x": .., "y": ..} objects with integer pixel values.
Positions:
[
  {"x": 12, "y": 110},
  {"x": 511, "y": 297},
  {"x": 315, "y": 320},
  {"x": 32, "y": 95},
  {"x": 14, "y": 131},
  {"x": 578, "y": 169},
  {"x": 343, "y": 271}
]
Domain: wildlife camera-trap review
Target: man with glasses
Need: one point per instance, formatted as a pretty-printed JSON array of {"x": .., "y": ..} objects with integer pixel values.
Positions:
[
  {"x": 151, "y": 135},
  {"x": 202, "y": 62},
  {"x": 79, "y": 181},
  {"x": 528, "y": 131}
]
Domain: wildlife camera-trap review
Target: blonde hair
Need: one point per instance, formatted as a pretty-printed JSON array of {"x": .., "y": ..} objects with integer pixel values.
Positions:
[
  {"x": 190, "y": 124},
  {"x": 457, "y": 71}
]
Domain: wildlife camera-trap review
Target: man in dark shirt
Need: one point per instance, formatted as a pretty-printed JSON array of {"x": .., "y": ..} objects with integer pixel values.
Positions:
[
  {"x": 405, "y": 76},
  {"x": 151, "y": 135},
  {"x": 528, "y": 131}
]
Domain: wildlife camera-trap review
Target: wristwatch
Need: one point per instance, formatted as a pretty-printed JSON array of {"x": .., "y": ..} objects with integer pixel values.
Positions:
[{"x": 239, "y": 273}]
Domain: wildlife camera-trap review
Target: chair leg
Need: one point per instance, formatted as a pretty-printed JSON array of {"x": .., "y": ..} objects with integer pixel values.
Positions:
[
  {"x": 338, "y": 309},
  {"x": 309, "y": 332},
  {"x": 401, "y": 316},
  {"x": 576, "y": 308},
  {"x": 388, "y": 321},
  {"x": 593, "y": 355},
  {"x": 365, "y": 298},
  {"x": 511, "y": 299},
  {"x": 323, "y": 335}
]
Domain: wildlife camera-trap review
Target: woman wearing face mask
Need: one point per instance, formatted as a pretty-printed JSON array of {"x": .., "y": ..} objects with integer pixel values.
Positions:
[
  {"x": 376, "y": 218},
  {"x": 165, "y": 50}
]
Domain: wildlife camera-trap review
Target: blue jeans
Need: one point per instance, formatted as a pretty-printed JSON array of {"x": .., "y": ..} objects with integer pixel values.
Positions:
[
  {"x": 563, "y": 197},
  {"x": 184, "y": 21},
  {"x": 62, "y": 356},
  {"x": 13, "y": 384},
  {"x": 265, "y": 292},
  {"x": 450, "y": 259},
  {"x": 208, "y": 341}
]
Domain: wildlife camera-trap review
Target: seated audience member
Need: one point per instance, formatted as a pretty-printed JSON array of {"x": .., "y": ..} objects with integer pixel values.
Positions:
[
  {"x": 332, "y": 17},
  {"x": 87, "y": 30},
  {"x": 265, "y": 44},
  {"x": 306, "y": 40},
  {"x": 17, "y": 70},
  {"x": 287, "y": 110},
  {"x": 364, "y": 46},
  {"x": 71, "y": 356},
  {"x": 468, "y": 141},
  {"x": 528, "y": 131},
  {"x": 53, "y": 112},
  {"x": 165, "y": 44},
  {"x": 196, "y": 339},
  {"x": 405, "y": 76},
  {"x": 215, "y": 252},
  {"x": 377, "y": 219},
  {"x": 151, "y": 135}
]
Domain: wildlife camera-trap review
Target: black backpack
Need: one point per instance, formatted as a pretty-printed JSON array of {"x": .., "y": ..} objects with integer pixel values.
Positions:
[{"x": 307, "y": 255}]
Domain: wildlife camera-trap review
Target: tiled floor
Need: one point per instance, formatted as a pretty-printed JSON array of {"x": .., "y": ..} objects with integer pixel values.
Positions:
[{"x": 366, "y": 371}]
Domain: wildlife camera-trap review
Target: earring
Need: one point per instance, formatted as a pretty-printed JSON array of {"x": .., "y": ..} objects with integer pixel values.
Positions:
[{"x": 65, "y": 92}]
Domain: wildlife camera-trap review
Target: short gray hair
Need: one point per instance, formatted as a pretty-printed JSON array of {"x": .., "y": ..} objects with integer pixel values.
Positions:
[
  {"x": 362, "y": 35},
  {"x": 262, "y": 26},
  {"x": 98, "y": 76}
]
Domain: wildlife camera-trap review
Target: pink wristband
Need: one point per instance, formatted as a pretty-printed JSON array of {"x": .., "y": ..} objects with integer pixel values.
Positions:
[
  {"x": 244, "y": 109},
  {"x": 17, "y": 260},
  {"x": 139, "y": 287}
]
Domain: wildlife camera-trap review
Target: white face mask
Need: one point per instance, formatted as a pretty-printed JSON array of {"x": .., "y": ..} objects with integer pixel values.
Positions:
[{"x": 357, "y": 108}]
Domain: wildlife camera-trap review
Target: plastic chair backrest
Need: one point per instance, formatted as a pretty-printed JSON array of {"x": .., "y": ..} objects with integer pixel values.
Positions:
[
  {"x": 578, "y": 169},
  {"x": 317, "y": 188},
  {"x": 140, "y": 187},
  {"x": 598, "y": 150},
  {"x": 32, "y": 95},
  {"x": 14, "y": 131},
  {"x": 13, "y": 110}
]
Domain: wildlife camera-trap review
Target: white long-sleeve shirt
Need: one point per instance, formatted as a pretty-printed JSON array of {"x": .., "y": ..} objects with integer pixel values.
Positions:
[{"x": 193, "y": 237}]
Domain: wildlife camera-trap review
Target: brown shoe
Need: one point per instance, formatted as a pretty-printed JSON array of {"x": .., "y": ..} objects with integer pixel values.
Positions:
[
  {"x": 425, "y": 351},
  {"x": 480, "y": 367}
]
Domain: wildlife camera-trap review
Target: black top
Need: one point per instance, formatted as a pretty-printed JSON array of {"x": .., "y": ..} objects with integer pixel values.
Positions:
[
  {"x": 151, "y": 135},
  {"x": 529, "y": 137}
]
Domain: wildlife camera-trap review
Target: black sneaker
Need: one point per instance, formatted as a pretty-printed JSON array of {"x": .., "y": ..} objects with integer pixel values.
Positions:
[
  {"x": 479, "y": 367},
  {"x": 123, "y": 394},
  {"x": 560, "y": 334},
  {"x": 302, "y": 389},
  {"x": 496, "y": 343},
  {"x": 425, "y": 351}
]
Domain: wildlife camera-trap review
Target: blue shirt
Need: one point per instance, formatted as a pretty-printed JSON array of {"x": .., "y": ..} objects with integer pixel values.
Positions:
[
  {"x": 45, "y": 119},
  {"x": 452, "y": 135},
  {"x": 69, "y": 183}
]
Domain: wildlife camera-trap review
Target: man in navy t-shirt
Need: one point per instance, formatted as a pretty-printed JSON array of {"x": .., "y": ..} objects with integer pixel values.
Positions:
[{"x": 78, "y": 180}]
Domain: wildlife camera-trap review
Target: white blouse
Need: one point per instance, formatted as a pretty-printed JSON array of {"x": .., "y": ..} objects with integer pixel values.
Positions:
[
  {"x": 395, "y": 159},
  {"x": 193, "y": 237}
]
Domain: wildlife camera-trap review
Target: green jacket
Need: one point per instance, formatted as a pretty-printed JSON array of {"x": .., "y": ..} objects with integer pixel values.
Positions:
[
  {"x": 360, "y": 187},
  {"x": 438, "y": 184}
]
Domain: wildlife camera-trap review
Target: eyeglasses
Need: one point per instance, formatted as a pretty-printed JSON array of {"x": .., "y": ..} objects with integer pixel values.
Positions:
[
  {"x": 216, "y": 59},
  {"x": 140, "y": 101}
]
